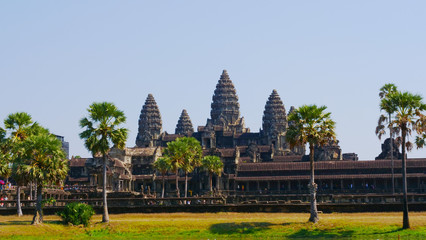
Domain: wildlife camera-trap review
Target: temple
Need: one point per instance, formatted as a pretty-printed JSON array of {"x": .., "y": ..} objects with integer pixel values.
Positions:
[{"x": 254, "y": 162}]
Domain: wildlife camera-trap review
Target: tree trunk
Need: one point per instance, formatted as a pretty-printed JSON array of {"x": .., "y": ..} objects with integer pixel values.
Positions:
[
  {"x": 18, "y": 199},
  {"x": 211, "y": 182},
  {"x": 177, "y": 183},
  {"x": 405, "y": 220},
  {"x": 31, "y": 190},
  {"x": 391, "y": 149},
  {"x": 38, "y": 216},
  {"x": 312, "y": 187},
  {"x": 162, "y": 191},
  {"x": 186, "y": 184},
  {"x": 105, "y": 215}
]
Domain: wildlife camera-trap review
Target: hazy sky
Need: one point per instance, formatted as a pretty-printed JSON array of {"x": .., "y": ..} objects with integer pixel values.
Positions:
[{"x": 57, "y": 57}]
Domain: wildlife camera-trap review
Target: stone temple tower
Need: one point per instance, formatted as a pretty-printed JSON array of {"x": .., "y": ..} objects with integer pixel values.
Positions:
[
  {"x": 150, "y": 124},
  {"x": 225, "y": 109},
  {"x": 184, "y": 125},
  {"x": 274, "y": 122}
]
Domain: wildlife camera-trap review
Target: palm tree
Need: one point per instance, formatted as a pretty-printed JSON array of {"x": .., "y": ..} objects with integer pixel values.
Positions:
[
  {"x": 44, "y": 163},
  {"x": 311, "y": 125},
  {"x": 162, "y": 165},
  {"x": 184, "y": 153},
  {"x": 409, "y": 116},
  {"x": 174, "y": 152},
  {"x": 100, "y": 134},
  {"x": 380, "y": 129},
  {"x": 192, "y": 157},
  {"x": 21, "y": 126},
  {"x": 213, "y": 165}
]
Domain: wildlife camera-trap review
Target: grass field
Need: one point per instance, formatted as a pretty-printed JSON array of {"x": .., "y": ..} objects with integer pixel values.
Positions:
[{"x": 222, "y": 226}]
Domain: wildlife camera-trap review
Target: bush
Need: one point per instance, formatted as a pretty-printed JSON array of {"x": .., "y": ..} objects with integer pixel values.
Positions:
[{"x": 77, "y": 213}]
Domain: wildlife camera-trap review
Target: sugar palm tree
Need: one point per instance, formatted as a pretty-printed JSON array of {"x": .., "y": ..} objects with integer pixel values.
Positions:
[
  {"x": 44, "y": 163},
  {"x": 192, "y": 157},
  {"x": 313, "y": 126},
  {"x": 175, "y": 153},
  {"x": 162, "y": 165},
  {"x": 101, "y": 132},
  {"x": 380, "y": 129},
  {"x": 184, "y": 153},
  {"x": 409, "y": 110},
  {"x": 213, "y": 165}
]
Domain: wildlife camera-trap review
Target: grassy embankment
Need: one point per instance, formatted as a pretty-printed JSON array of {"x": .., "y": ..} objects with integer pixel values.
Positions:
[{"x": 221, "y": 226}]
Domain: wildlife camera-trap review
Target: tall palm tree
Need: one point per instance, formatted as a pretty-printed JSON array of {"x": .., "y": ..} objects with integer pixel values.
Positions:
[
  {"x": 184, "y": 153},
  {"x": 162, "y": 165},
  {"x": 409, "y": 114},
  {"x": 380, "y": 129},
  {"x": 175, "y": 153},
  {"x": 311, "y": 125},
  {"x": 21, "y": 126},
  {"x": 101, "y": 132},
  {"x": 192, "y": 157},
  {"x": 44, "y": 163},
  {"x": 213, "y": 165}
]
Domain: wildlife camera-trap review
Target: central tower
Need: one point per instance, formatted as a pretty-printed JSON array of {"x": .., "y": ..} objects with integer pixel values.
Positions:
[{"x": 225, "y": 109}]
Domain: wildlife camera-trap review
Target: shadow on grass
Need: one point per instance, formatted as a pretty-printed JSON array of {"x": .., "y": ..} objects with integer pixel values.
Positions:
[
  {"x": 321, "y": 233},
  {"x": 239, "y": 228},
  {"x": 15, "y": 223},
  {"x": 337, "y": 233},
  {"x": 11, "y": 223}
]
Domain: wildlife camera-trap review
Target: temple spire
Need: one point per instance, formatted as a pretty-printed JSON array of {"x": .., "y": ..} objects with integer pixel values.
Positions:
[
  {"x": 274, "y": 123},
  {"x": 150, "y": 124},
  {"x": 225, "y": 108},
  {"x": 184, "y": 125}
]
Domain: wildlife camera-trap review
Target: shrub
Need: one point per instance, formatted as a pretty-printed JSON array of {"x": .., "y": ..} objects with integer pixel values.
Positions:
[{"x": 77, "y": 213}]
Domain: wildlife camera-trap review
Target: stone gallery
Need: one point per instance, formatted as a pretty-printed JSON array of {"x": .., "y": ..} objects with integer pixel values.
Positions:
[{"x": 254, "y": 162}]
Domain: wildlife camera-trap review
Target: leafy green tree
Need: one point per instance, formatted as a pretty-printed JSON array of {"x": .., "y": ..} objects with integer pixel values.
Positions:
[
  {"x": 5, "y": 169},
  {"x": 213, "y": 165},
  {"x": 21, "y": 126},
  {"x": 184, "y": 153},
  {"x": 409, "y": 118},
  {"x": 101, "y": 132},
  {"x": 380, "y": 129},
  {"x": 162, "y": 165},
  {"x": 313, "y": 126},
  {"x": 43, "y": 162}
]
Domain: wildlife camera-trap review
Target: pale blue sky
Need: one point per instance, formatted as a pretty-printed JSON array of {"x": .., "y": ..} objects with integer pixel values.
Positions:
[{"x": 57, "y": 57}]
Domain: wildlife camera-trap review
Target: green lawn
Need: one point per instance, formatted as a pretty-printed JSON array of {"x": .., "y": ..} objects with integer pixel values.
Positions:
[{"x": 222, "y": 226}]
